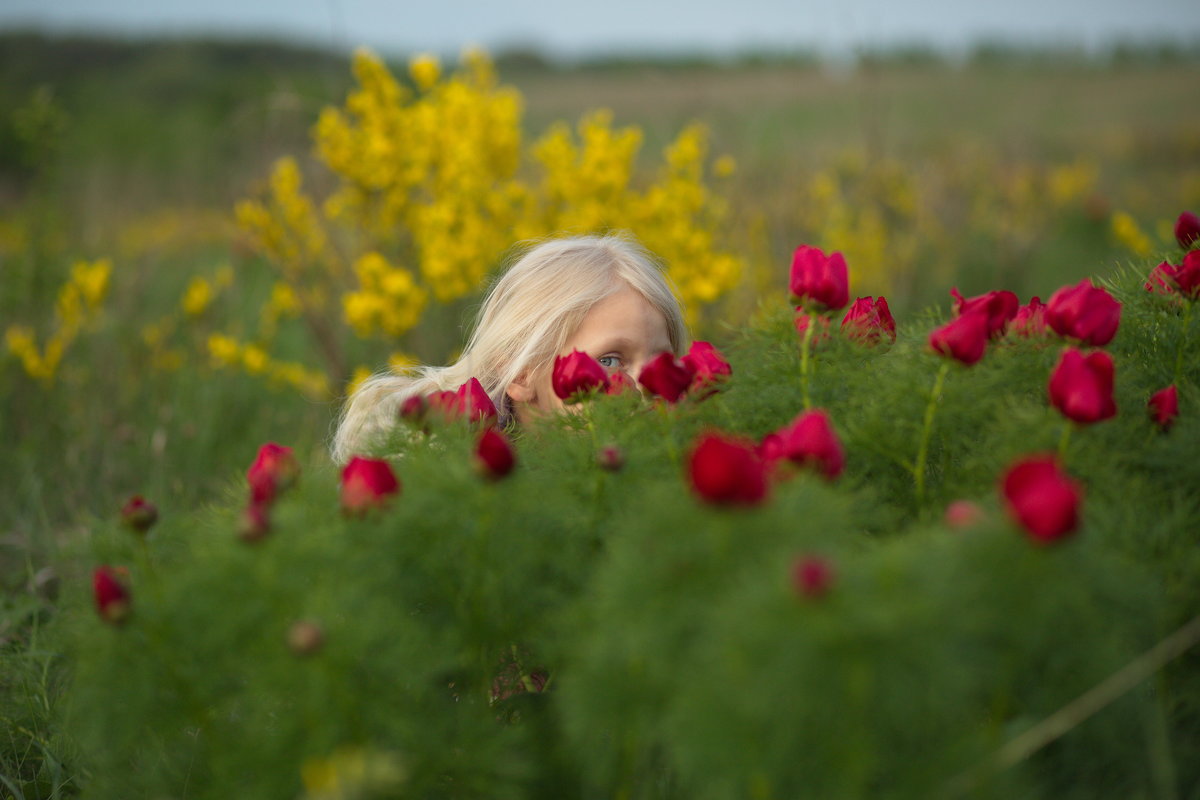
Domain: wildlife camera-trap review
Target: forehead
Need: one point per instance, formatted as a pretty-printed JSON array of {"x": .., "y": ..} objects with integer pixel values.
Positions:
[{"x": 624, "y": 314}]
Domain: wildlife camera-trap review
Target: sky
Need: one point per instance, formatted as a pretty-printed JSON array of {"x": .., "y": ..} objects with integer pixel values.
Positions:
[{"x": 569, "y": 29}]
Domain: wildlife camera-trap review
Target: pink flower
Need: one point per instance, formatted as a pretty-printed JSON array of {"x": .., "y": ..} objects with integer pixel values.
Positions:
[
  {"x": 709, "y": 368},
  {"x": 1042, "y": 498},
  {"x": 963, "y": 338},
  {"x": 274, "y": 470},
  {"x": 869, "y": 320},
  {"x": 577, "y": 374},
  {"x": 1030, "y": 320},
  {"x": 667, "y": 377},
  {"x": 1085, "y": 313},
  {"x": 139, "y": 514},
  {"x": 1187, "y": 229},
  {"x": 726, "y": 471},
  {"x": 809, "y": 440},
  {"x": 111, "y": 595},
  {"x": 812, "y": 576},
  {"x": 367, "y": 483},
  {"x": 999, "y": 307},
  {"x": 494, "y": 454},
  {"x": 1164, "y": 406},
  {"x": 820, "y": 279},
  {"x": 1081, "y": 387}
]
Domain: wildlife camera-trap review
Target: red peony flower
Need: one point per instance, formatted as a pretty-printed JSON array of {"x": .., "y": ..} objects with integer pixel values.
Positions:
[
  {"x": 494, "y": 455},
  {"x": 577, "y": 374},
  {"x": 367, "y": 483},
  {"x": 139, "y": 514},
  {"x": 1161, "y": 279},
  {"x": 1187, "y": 229},
  {"x": 1164, "y": 406},
  {"x": 274, "y": 470},
  {"x": 610, "y": 458},
  {"x": 709, "y": 368},
  {"x": 809, "y": 440},
  {"x": 1081, "y": 387},
  {"x": 1187, "y": 275},
  {"x": 474, "y": 404},
  {"x": 1084, "y": 312},
  {"x": 812, "y": 576},
  {"x": 869, "y": 320},
  {"x": 727, "y": 471},
  {"x": 963, "y": 338},
  {"x": 1030, "y": 320},
  {"x": 820, "y": 279},
  {"x": 619, "y": 383},
  {"x": 112, "y": 596},
  {"x": 1042, "y": 498},
  {"x": 666, "y": 376},
  {"x": 999, "y": 308},
  {"x": 414, "y": 408}
]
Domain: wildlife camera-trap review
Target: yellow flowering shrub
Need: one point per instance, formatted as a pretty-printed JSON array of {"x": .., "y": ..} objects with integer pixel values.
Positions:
[
  {"x": 78, "y": 302},
  {"x": 432, "y": 184}
]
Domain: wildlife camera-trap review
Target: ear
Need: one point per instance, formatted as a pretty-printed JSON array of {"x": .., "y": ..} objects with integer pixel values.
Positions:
[{"x": 521, "y": 390}]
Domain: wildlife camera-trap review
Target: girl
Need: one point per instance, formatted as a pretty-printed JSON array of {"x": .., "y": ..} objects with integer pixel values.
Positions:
[{"x": 603, "y": 295}]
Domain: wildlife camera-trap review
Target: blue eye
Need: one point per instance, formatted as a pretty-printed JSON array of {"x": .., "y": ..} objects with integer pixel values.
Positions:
[{"x": 609, "y": 362}]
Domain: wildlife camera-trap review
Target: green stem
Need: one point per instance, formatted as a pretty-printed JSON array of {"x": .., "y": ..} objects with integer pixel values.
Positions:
[
  {"x": 926, "y": 430},
  {"x": 805, "y": 346},
  {"x": 1183, "y": 337},
  {"x": 1064, "y": 440}
]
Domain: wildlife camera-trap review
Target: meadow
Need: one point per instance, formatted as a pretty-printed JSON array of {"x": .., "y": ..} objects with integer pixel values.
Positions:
[{"x": 205, "y": 245}]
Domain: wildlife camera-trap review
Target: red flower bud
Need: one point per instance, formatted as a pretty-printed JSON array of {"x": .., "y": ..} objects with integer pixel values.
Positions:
[
  {"x": 727, "y": 471},
  {"x": 414, "y": 408},
  {"x": 274, "y": 470},
  {"x": 474, "y": 404},
  {"x": 1164, "y": 406},
  {"x": 869, "y": 320},
  {"x": 963, "y": 514},
  {"x": 1042, "y": 498},
  {"x": 619, "y": 383},
  {"x": 1083, "y": 312},
  {"x": 139, "y": 514},
  {"x": 494, "y": 455},
  {"x": 445, "y": 403},
  {"x": 305, "y": 637},
  {"x": 367, "y": 483},
  {"x": 709, "y": 368},
  {"x": 1187, "y": 229},
  {"x": 112, "y": 597},
  {"x": 666, "y": 376},
  {"x": 255, "y": 522},
  {"x": 577, "y": 374},
  {"x": 610, "y": 458},
  {"x": 963, "y": 338},
  {"x": 808, "y": 441},
  {"x": 1081, "y": 387},
  {"x": 820, "y": 279},
  {"x": 812, "y": 576},
  {"x": 1030, "y": 320},
  {"x": 998, "y": 307},
  {"x": 1187, "y": 275},
  {"x": 804, "y": 319}
]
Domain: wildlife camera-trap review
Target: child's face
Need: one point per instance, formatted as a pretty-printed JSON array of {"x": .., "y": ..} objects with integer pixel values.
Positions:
[{"x": 623, "y": 332}]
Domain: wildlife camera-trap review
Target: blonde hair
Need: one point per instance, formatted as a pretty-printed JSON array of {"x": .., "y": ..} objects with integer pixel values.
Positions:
[{"x": 526, "y": 319}]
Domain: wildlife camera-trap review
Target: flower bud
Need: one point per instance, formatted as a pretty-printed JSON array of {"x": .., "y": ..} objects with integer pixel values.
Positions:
[
  {"x": 1187, "y": 229},
  {"x": 367, "y": 483},
  {"x": 820, "y": 279},
  {"x": 667, "y": 377},
  {"x": 274, "y": 470},
  {"x": 1164, "y": 406},
  {"x": 963, "y": 338},
  {"x": 413, "y": 409},
  {"x": 577, "y": 374},
  {"x": 809, "y": 440},
  {"x": 812, "y": 576},
  {"x": 727, "y": 471},
  {"x": 494, "y": 455},
  {"x": 1042, "y": 498},
  {"x": 1030, "y": 320},
  {"x": 1187, "y": 275},
  {"x": 111, "y": 595},
  {"x": 998, "y": 307},
  {"x": 610, "y": 458},
  {"x": 619, "y": 383},
  {"x": 869, "y": 321},
  {"x": 709, "y": 368},
  {"x": 962, "y": 514},
  {"x": 1161, "y": 279},
  {"x": 139, "y": 514},
  {"x": 305, "y": 637},
  {"x": 1081, "y": 387},
  {"x": 1085, "y": 313}
]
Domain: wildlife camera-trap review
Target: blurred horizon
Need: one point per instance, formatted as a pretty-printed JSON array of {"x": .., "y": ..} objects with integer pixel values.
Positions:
[{"x": 565, "y": 33}]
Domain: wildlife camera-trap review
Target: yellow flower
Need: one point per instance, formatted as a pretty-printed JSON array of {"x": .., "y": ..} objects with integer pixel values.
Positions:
[
  {"x": 197, "y": 297},
  {"x": 1127, "y": 232},
  {"x": 724, "y": 166},
  {"x": 425, "y": 70}
]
